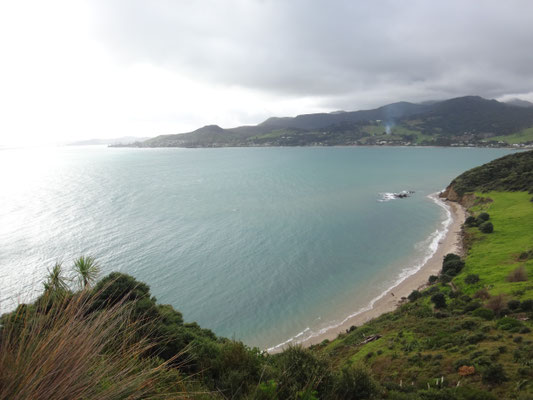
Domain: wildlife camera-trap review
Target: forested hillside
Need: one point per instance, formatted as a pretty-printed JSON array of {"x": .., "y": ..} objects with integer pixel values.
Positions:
[{"x": 469, "y": 120}]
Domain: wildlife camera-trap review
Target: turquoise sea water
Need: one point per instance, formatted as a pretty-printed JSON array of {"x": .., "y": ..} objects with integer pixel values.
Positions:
[{"x": 259, "y": 244}]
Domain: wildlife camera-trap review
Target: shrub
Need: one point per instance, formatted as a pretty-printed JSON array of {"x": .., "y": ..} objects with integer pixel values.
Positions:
[
  {"x": 509, "y": 324},
  {"x": 482, "y": 294},
  {"x": 526, "y": 305},
  {"x": 433, "y": 278},
  {"x": 484, "y": 313},
  {"x": 466, "y": 298},
  {"x": 461, "y": 363},
  {"x": 454, "y": 294},
  {"x": 475, "y": 338},
  {"x": 354, "y": 383},
  {"x": 470, "y": 393},
  {"x": 472, "y": 279},
  {"x": 469, "y": 324},
  {"x": 235, "y": 366},
  {"x": 471, "y": 221},
  {"x": 494, "y": 374},
  {"x": 445, "y": 278},
  {"x": 513, "y": 304},
  {"x": 68, "y": 352},
  {"x": 452, "y": 267},
  {"x": 450, "y": 257},
  {"x": 483, "y": 216},
  {"x": 496, "y": 303},
  {"x": 439, "y": 300},
  {"x": 486, "y": 227},
  {"x": 415, "y": 295},
  {"x": 517, "y": 275},
  {"x": 300, "y": 370}
]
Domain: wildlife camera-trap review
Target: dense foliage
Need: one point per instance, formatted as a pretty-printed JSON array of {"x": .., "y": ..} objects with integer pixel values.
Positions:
[{"x": 510, "y": 173}]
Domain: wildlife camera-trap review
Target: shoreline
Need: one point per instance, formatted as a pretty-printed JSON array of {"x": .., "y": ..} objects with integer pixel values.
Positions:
[{"x": 391, "y": 299}]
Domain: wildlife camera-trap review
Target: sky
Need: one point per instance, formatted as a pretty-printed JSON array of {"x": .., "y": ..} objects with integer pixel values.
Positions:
[{"x": 72, "y": 70}]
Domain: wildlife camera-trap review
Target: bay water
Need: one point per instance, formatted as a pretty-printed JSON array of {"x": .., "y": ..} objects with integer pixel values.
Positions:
[{"x": 263, "y": 245}]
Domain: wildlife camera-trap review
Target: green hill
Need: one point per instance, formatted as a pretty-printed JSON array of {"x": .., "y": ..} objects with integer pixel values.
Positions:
[
  {"x": 469, "y": 120},
  {"x": 510, "y": 173}
]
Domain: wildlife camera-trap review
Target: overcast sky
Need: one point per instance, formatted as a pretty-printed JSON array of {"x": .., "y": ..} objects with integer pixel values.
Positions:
[{"x": 83, "y": 69}]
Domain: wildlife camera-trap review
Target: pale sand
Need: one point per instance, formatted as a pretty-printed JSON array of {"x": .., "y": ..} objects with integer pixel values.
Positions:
[{"x": 451, "y": 243}]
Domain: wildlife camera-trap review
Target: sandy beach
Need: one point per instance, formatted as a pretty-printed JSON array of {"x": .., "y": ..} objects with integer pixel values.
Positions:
[{"x": 451, "y": 243}]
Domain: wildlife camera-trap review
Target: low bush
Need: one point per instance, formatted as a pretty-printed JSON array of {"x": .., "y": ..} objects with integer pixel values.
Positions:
[
  {"x": 475, "y": 338},
  {"x": 483, "y": 216},
  {"x": 496, "y": 303},
  {"x": 526, "y": 305},
  {"x": 471, "y": 221},
  {"x": 472, "y": 279},
  {"x": 484, "y": 313},
  {"x": 415, "y": 295},
  {"x": 482, "y": 294},
  {"x": 354, "y": 383},
  {"x": 494, "y": 374},
  {"x": 509, "y": 324},
  {"x": 439, "y": 300},
  {"x": 433, "y": 278},
  {"x": 517, "y": 275},
  {"x": 486, "y": 227},
  {"x": 450, "y": 257},
  {"x": 471, "y": 306},
  {"x": 513, "y": 304},
  {"x": 301, "y": 369}
]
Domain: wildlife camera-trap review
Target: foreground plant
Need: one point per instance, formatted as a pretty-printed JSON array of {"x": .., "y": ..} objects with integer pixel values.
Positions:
[{"x": 65, "y": 351}]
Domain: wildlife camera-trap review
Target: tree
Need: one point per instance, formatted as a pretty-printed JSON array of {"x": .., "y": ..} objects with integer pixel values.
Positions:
[
  {"x": 415, "y": 294},
  {"x": 471, "y": 221},
  {"x": 452, "y": 267},
  {"x": 450, "y": 257},
  {"x": 482, "y": 217},
  {"x": 87, "y": 271},
  {"x": 494, "y": 374},
  {"x": 56, "y": 281},
  {"x": 118, "y": 287},
  {"x": 439, "y": 300},
  {"x": 486, "y": 227}
]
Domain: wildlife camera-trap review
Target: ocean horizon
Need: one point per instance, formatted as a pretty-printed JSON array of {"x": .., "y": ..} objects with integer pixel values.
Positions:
[{"x": 264, "y": 245}]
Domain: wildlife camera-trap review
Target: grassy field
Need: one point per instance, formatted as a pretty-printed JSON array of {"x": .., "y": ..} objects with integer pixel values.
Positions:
[
  {"x": 525, "y": 135},
  {"x": 419, "y": 344},
  {"x": 495, "y": 256}
]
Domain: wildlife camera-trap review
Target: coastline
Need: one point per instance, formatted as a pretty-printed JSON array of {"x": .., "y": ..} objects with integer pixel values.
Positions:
[{"x": 389, "y": 300}]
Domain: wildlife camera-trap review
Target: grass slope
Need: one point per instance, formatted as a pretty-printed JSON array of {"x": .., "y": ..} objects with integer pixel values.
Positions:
[
  {"x": 524, "y": 136},
  {"x": 494, "y": 256}
]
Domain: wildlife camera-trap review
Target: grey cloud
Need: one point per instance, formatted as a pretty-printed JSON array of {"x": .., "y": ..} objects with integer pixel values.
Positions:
[{"x": 343, "y": 53}]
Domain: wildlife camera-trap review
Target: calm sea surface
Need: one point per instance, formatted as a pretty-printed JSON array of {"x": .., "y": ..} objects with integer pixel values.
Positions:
[{"x": 259, "y": 244}]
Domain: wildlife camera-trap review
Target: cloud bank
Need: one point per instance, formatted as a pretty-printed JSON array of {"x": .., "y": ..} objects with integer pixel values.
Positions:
[{"x": 107, "y": 68}]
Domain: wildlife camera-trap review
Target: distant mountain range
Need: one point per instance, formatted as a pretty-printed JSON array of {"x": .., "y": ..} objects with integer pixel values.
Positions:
[
  {"x": 469, "y": 120},
  {"x": 125, "y": 140}
]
